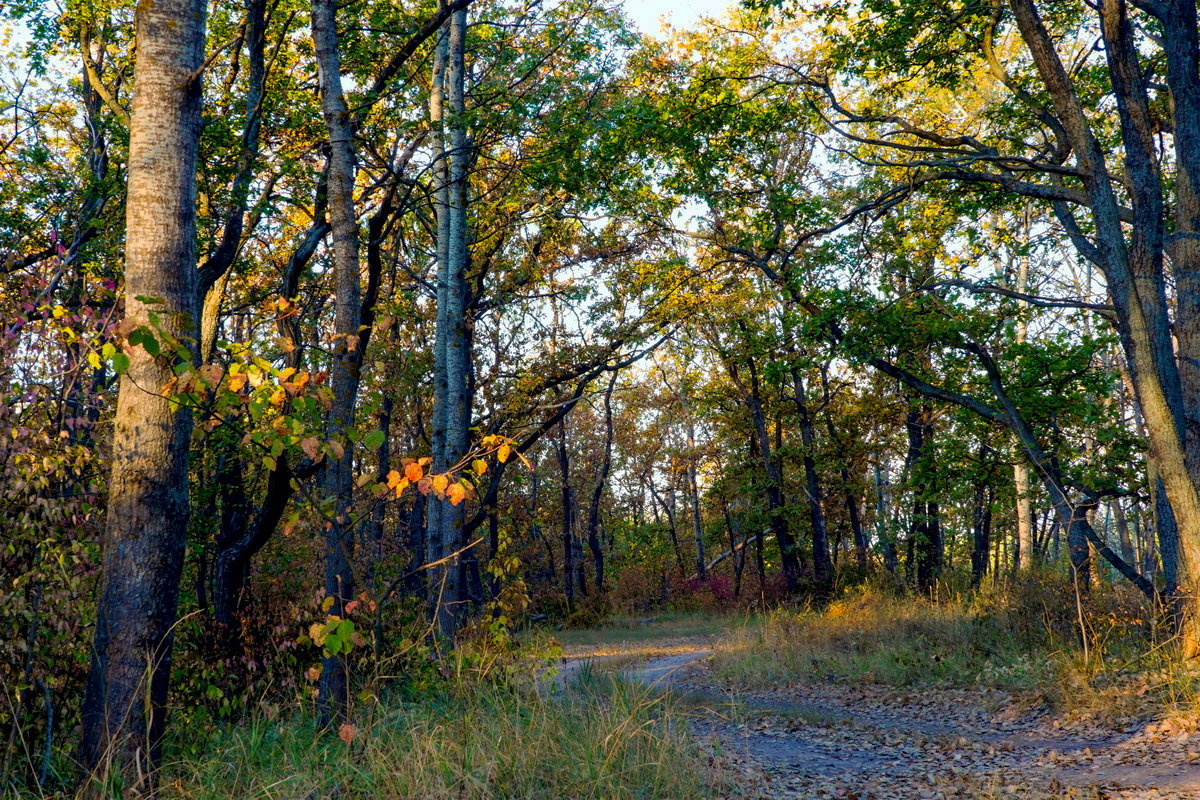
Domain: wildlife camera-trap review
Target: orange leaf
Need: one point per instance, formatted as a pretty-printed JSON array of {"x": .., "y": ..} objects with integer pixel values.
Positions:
[
  {"x": 439, "y": 484},
  {"x": 413, "y": 471},
  {"x": 311, "y": 447},
  {"x": 393, "y": 478},
  {"x": 401, "y": 486},
  {"x": 457, "y": 492},
  {"x": 347, "y": 732}
]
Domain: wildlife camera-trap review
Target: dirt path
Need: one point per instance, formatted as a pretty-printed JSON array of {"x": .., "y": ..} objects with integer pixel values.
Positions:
[{"x": 828, "y": 740}]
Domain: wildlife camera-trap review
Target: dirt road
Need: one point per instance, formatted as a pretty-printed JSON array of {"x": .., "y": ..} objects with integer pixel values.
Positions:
[{"x": 872, "y": 742}]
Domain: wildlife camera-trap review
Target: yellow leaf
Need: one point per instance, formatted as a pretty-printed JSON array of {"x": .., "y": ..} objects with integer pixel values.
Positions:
[
  {"x": 503, "y": 453},
  {"x": 439, "y": 484},
  {"x": 479, "y": 465},
  {"x": 401, "y": 485}
]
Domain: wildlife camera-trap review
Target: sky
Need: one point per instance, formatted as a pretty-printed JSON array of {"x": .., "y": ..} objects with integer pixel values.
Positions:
[{"x": 647, "y": 13}]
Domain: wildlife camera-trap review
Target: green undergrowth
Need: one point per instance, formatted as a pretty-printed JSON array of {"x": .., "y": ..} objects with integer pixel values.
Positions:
[{"x": 604, "y": 738}]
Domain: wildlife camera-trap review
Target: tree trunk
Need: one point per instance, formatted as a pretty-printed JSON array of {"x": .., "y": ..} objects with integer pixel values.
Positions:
[
  {"x": 668, "y": 511},
  {"x": 822, "y": 564},
  {"x": 1122, "y": 525},
  {"x": 925, "y": 531},
  {"x": 693, "y": 486},
  {"x": 981, "y": 529},
  {"x": 789, "y": 557},
  {"x": 568, "y": 517},
  {"x": 1134, "y": 268},
  {"x": 124, "y": 703},
  {"x": 452, "y": 356},
  {"x": 887, "y": 540},
  {"x": 593, "y": 523},
  {"x": 334, "y": 688},
  {"x": 1024, "y": 513}
]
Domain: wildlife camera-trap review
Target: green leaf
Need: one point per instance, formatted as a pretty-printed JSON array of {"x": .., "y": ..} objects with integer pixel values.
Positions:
[
  {"x": 373, "y": 439},
  {"x": 150, "y": 343},
  {"x": 120, "y": 363}
]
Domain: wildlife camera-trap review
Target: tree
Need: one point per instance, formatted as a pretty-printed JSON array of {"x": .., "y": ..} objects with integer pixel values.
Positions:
[
  {"x": 349, "y": 344},
  {"x": 125, "y": 704},
  {"x": 1127, "y": 204}
]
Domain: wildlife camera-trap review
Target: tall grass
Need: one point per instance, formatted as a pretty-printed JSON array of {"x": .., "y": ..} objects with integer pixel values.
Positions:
[
  {"x": 1021, "y": 635},
  {"x": 874, "y": 638},
  {"x": 606, "y": 739}
]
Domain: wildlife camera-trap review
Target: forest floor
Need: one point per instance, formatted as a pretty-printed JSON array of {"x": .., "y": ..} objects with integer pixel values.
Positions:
[{"x": 859, "y": 740}]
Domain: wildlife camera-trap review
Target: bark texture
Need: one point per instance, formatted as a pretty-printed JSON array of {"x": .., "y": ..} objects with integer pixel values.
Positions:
[
  {"x": 333, "y": 699},
  {"x": 124, "y": 705}
]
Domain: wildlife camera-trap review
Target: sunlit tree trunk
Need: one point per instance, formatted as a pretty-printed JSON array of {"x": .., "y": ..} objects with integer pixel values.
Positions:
[{"x": 124, "y": 705}]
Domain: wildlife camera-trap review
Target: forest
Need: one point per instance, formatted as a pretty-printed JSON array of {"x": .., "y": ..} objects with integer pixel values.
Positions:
[{"x": 491, "y": 399}]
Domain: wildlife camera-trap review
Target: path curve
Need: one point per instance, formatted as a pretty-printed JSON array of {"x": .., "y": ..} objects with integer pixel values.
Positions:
[{"x": 872, "y": 743}]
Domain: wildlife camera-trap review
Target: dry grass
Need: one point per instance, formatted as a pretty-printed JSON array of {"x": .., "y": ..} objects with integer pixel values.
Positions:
[
  {"x": 873, "y": 637},
  {"x": 1022, "y": 637},
  {"x": 605, "y": 739}
]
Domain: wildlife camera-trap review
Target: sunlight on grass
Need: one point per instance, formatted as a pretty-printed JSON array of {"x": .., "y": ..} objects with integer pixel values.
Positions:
[
  {"x": 873, "y": 638},
  {"x": 1016, "y": 637},
  {"x": 605, "y": 739}
]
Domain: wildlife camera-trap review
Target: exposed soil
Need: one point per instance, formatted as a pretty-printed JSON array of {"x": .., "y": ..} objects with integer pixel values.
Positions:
[{"x": 831, "y": 740}]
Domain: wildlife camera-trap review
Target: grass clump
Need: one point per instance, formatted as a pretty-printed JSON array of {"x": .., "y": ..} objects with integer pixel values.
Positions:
[{"x": 607, "y": 739}]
